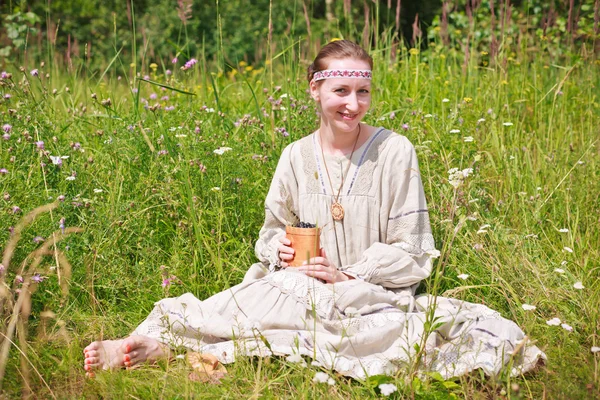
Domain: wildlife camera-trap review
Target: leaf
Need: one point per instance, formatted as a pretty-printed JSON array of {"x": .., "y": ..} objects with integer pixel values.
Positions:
[
  {"x": 207, "y": 368},
  {"x": 166, "y": 86}
]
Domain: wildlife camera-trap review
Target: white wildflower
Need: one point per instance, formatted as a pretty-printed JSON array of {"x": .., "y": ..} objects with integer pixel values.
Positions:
[
  {"x": 463, "y": 276},
  {"x": 553, "y": 322},
  {"x": 221, "y": 150},
  {"x": 567, "y": 327},
  {"x": 210, "y": 110},
  {"x": 559, "y": 270},
  {"x": 455, "y": 131},
  {"x": 98, "y": 190},
  {"x": 538, "y": 188},
  {"x": 466, "y": 172},
  {"x": 578, "y": 285},
  {"x": 468, "y": 139},
  {"x": 387, "y": 388},
  {"x": 580, "y": 162},
  {"x": 528, "y": 307},
  {"x": 531, "y": 236},
  {"x": 321, "y": 377},
  {"x": 511, "y": 157},
  {"x": 563, "y": 230},
  {"x": 445, "y": 100},
  {"x": 568, "y": 249},
  {"x": 507, "y": 124},
  {"x": 70, "y": 178},
  {"x": 180, "y": 135},
  {"x": 480, "y": 120},
  {"x": 564, "y": 262},
  {"x": 56, "y": 160},
  {"x": 216, "y": 189},
  {"x": 595, "y": 349}
]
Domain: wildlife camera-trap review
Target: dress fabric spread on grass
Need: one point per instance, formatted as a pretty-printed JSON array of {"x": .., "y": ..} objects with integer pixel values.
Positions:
[{"x": 361, "y": 327}]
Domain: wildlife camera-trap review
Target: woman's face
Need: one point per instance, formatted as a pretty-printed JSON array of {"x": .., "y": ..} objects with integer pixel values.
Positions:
[{"x": 344, "y": 101}]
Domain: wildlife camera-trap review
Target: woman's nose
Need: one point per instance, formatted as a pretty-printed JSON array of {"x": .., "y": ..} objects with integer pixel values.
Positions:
[{"x": 352, "y": 102}]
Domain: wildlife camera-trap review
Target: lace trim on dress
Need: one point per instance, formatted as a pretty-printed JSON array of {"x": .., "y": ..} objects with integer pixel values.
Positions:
[
  {"x": 366, "y": 165},
  {"x": 411, "y": 231}
]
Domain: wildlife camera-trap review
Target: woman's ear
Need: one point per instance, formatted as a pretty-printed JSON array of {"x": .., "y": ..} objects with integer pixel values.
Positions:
[{"x": 314, "y": 91}]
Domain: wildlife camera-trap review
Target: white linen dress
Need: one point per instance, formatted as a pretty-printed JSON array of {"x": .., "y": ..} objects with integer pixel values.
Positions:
[{"x": 365, "y": 326}]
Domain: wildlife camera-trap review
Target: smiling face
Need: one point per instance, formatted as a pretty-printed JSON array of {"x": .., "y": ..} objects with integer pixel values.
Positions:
[{"x": 344, "y": 101}]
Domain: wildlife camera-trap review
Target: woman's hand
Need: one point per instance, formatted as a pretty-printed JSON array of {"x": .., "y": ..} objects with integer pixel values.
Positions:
[
  {"x": 321, "y": 268},
  {"x": 285, "y": 252}
]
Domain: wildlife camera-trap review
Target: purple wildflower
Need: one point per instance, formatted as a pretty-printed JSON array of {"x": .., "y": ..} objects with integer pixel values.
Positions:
[
  {"x": 174, "y": 60},
  {"x": 168, "y": 72},
  {"x": 6, "y": 136},
  {"x": 130, "y": 127},
  {"x": 392, "y": 115},
  {"x": 61, "y": 225},
  {"x": 189, "y": 64},
  {"x": 38, "y": 239},
  {"x": 166, "y": 282},
  {"x": 165, "y": 98},
  {"x": 34, "y": 72},
  {"x": 169, "y": 108},
  {"x": 16, "y": 209},
  {"x": 147, "y": 77},
  {"x": 7, "y": 96},
  {"x": 7, "y": 128},
  {"x": 3, "y": 171},
  {"x": 19, "y": 279},
  {"x": 2, "y": 269},
  {"x": 37, "y": 278},
  {"x": 405, "y": 127},
  {"x": 4, "y": 75},
  {"x": 40, "y": 145},
  {"x": 134, "y": 90},
  {"x": 197, "y": 129},
  {"x": 153, "y": 96},
  {"x": 61, "y": 197}
]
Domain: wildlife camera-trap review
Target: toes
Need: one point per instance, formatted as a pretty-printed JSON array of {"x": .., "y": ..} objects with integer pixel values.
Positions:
[
  {"x": 91, "y": 354},
  {"x": 91, "y": 360},
  {"x": 91, "y": 346}
]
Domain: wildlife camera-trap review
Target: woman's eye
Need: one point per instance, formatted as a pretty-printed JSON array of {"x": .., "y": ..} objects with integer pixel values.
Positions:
[{"x": 340, "y": 90}]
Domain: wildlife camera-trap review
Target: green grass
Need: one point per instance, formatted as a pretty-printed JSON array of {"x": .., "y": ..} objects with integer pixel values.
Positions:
[{"x": 536, "y": 171}]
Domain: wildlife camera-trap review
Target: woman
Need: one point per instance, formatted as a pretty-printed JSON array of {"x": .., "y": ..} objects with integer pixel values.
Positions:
[{"x": 353, "y": 308}]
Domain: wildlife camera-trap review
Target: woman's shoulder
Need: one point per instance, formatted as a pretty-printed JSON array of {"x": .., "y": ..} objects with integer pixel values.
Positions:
[{"x": 394, "y": 142}]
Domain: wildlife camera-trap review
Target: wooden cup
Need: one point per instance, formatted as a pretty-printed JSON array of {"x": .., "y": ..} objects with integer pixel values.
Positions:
[{"x": 305, "y": 242}]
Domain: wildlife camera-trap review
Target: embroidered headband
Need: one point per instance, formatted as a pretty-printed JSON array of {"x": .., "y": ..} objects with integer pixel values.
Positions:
[{"x": 342, "y": 73}]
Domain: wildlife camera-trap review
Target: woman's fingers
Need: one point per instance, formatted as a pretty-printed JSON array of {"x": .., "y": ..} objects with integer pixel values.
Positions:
[{"x": 319, "y": 260}]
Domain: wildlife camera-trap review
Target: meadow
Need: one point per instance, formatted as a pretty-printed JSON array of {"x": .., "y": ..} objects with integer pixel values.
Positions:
[{"x": 139, "y": 206}]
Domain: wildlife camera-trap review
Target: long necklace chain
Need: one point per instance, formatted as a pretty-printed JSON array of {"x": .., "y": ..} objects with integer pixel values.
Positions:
[{"x": 337, "y": 211}]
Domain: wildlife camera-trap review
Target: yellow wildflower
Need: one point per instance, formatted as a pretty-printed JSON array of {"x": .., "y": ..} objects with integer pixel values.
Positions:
[
  {"x": 243, "y": 63},
  {"x": 413, "y": 51},
  {"x": 153, "y": 66},
  {"x": 467, "y": 99},
  {"x": 249, "y": 68}
]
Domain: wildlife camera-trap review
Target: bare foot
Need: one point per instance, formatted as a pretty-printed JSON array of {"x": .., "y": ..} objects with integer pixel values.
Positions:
[
  {"x": 105, "y": 354},
  {"x": 140, "y": 349}
]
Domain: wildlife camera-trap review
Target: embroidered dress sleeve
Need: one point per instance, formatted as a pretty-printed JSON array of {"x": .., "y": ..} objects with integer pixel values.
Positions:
[
  {"x": 281, "y": 205},
  {"x": 405, "y": 257}
]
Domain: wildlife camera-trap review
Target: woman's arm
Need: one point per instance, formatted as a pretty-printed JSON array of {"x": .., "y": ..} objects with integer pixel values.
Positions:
[
  {"x": 280, "y": 207},
  {"x": 404, "y": 257}
]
